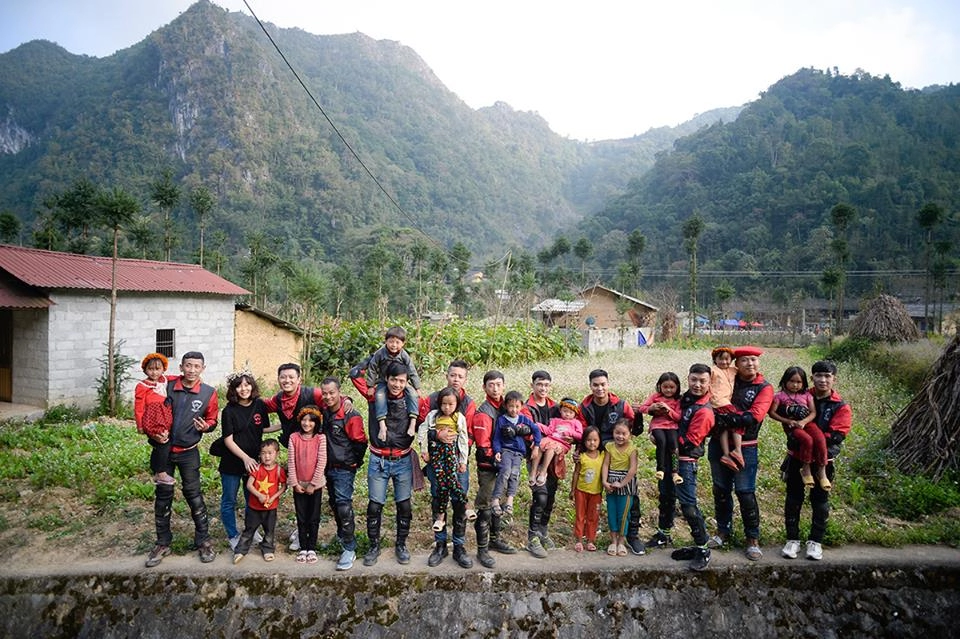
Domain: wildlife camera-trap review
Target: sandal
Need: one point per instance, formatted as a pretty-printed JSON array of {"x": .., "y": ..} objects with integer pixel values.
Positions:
[
  {"x": 439, "y": 524},
  {"x": 621, "y": 551},
  {"x": 302, "y": 557},
  {"x": 612, "y": 550},
  {"x": 269, "y": 556},
  {"x": 591, "y": 547},
  {"x": 471, "y": 514},
  {"x": 311, "y": 557},
  {"x": 578, "y": 547}
]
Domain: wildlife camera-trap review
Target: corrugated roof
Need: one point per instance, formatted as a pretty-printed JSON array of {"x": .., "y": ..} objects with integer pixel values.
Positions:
[
  {"x": 16, "y": 296},
  {"x": 51, "y": 270},
  {"x": 559, "y": 306}
]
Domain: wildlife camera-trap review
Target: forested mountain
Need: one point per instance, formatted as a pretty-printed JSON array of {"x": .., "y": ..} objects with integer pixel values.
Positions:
[
  {"x": 209, "y": 99},
  {"x": 206, "y": 104},
  {"x": 765, "y": 185}
]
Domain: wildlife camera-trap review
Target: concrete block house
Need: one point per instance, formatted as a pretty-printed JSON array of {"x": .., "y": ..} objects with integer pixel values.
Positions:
[{"x": 55, "y": 314}]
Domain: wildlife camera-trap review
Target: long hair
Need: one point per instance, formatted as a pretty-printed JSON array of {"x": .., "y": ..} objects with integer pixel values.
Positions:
[{"x": 789, "y": 373}]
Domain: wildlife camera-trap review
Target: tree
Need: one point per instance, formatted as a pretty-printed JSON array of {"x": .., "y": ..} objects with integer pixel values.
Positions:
[
  {"x": 583, "y": 249},
  {"x": 166, "y": 195},
  {"x": 723, "y": 293},
  {"x": 636, "y": 243},
  {"x": 201, "y": 201},
  {"x": 691, "y": 231},
  {"x": 141, "y": 234},
  {"x": 115, "y": 209},
  {"x": 929, "y": 217},
  {"x": 9, "y": 227},
  {"x": 841, "y": 216},
  {"x": 460, "y": 259},
  {"x": 75, "y": 210}
]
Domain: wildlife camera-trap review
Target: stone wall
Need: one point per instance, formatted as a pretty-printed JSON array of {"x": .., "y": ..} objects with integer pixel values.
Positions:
[{"x": 766, "y": 600}]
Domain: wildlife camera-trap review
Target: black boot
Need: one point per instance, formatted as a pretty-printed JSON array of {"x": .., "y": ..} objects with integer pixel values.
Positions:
[
  {"x": 496, "y": 543},
  {"x": 403, "y": 530},
  {"x": 460, "y": 556},
  {"x": 438, "y": 554},
  {"x": 482, "y": 528},
  {"x": 373, "y": 533}
]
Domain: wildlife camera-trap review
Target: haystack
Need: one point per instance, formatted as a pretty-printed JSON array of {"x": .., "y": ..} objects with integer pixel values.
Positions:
[
  {"x": 885, "y": 319},
  {"x": 926, "y": 435}
]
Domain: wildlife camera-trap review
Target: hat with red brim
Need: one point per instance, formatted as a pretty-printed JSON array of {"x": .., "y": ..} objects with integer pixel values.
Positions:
[{"x": 747, "y": 351}]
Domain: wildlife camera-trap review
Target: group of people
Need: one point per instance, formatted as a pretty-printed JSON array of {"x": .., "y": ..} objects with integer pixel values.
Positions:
[{"x": 719, "y": 414}]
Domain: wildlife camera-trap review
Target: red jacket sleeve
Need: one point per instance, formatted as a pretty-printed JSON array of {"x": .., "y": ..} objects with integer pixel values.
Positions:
[
  {"x": 481, "y": 432},
  {"x": 761, "y": 405},
  {"x": 354, "y": 429},
  {"x": 212, "y": 412},
  {"x": 841, "y": 420},
  {"x": 700, "y": 426}
]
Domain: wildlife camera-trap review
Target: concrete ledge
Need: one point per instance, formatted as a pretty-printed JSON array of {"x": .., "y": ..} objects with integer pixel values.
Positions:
[{"x": 854, "y": 592}]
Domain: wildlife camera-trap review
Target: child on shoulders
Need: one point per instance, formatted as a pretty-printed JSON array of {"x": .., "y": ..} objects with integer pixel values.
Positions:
[{"x": 376, "y": 378}]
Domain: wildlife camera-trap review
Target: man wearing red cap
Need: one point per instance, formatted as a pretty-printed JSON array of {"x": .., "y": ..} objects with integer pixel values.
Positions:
[{"x": 752, "y": 396}]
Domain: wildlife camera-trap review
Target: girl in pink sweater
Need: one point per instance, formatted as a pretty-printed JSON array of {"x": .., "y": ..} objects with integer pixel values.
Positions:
[
  {"x": 664, "y": 407},
  {"x": 306, "y": 462}
]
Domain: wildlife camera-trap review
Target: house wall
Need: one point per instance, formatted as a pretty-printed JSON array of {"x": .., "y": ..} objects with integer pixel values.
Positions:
[
  {"x": 262, "y": 346},
  {"x": 611, "y": 339},
  {"x": 603, "y": 308},
  {"x": 78, "y": 327},
  {"x": 30, "y": 357}
]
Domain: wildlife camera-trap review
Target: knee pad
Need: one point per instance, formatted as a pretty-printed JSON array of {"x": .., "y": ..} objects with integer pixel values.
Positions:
[
  {"x": 404, "y": 509},
  {"x": 373, "y": 519},
  {"x": 344, "y": 511},
  {"x": 749, "y": 510}
]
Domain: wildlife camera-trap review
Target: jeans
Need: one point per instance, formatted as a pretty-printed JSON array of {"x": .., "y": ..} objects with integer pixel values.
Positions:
[
  {"x": 380, "y": 471},
  {"x": 229, "y": 485},
  {"x": 340, "y": 483},
  {"x": 508, "y": 477},
  {"x": 380, "y": 401},
  {"x": 744, "y": 483},
  {"x": 187, "y": 462},
  {"x": 687, "y": 496}
]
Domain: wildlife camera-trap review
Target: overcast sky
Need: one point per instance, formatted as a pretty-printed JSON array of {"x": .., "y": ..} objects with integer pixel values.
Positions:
[{"x": 594, "y": 70}]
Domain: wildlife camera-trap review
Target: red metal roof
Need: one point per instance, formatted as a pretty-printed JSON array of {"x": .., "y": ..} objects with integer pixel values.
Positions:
[
  {"x": 51, "y": 270},
  {"x": 17, "y": 296}
]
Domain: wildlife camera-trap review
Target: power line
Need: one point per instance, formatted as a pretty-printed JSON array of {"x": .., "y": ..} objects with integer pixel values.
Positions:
[{"x": 336, "y": 130}]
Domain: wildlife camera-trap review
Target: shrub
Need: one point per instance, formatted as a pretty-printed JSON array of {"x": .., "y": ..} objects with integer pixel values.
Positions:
[{"x": 851, "y": 349}]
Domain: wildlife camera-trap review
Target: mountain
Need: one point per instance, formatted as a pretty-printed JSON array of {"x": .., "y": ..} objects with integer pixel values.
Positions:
[
  {"x": 765, "y": 185},
  {"x": 209, "y": 99}
]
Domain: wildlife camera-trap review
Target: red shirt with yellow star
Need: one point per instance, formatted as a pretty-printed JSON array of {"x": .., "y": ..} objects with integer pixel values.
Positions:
[{"x": 268, "y": 482}]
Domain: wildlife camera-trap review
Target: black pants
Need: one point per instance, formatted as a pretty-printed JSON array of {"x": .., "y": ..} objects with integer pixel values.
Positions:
[
  {"x": 253, "y": 519},
  {"x": 666, "y": 442},
  {"x": 796, "y": 492},
  {"x": 541, "y": 507},
  {"x": 307, "y": 508}
]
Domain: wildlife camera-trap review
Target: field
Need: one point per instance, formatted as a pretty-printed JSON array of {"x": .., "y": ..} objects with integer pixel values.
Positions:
[{"x": 80, "y": 488}]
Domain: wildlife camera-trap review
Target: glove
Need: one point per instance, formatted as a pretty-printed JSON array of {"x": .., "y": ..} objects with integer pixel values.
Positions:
[
  {"x": 523, "y": 430},
  {"x": 356, "y": 372},
  {"x": 795, "y": 412},
  {"x": 508, "y": 432},
  {"x": 834, "y": 440}
]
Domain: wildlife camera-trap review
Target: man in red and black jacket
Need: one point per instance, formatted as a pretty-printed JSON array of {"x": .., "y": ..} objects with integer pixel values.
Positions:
[
  {"x": 752, "y": 396},
  {"x": 481, "y": 433},
  {"x": 696, "y": 422},
  {"x": 292, "y": 397},
  {"x": 602, "y": 410},
  {"x": 195, "y": 412},
  {"x": 346, "y": 447},
  {"x": 541, "y": 408},
  {"x": 833, "y": 418}
]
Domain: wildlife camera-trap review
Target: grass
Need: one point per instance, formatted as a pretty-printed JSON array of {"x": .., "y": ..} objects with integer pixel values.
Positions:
[{"x": 95, "y": 471}]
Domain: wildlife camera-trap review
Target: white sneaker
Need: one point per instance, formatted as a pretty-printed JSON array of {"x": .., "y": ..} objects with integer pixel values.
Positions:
[
  {"x": 791, "y": 549},
  {"x": 814, "y": 550},
  {"x": 295, "y": 540},
  {"x": 233, "y": 541}
]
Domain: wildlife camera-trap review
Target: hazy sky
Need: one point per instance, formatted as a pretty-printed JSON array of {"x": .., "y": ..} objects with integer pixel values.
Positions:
[{"x": 593, "y": 70}]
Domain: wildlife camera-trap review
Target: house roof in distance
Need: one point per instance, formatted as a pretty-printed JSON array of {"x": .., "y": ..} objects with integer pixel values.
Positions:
[{"x": 53, "y": 270}]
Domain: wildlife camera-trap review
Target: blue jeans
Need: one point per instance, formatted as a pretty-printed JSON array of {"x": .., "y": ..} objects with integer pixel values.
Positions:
[
  {"x": 726, "y": 482},
  {"x": 509, "y": 474},
  {"x": 687, "y": 491},
  {"x": 464, "y": 478},
  {"x": 229, "y": 485},
  {"x": 340, "y": 483},
  {"x": 380, "y": 471},
  {"x": 380, "y": 401}
]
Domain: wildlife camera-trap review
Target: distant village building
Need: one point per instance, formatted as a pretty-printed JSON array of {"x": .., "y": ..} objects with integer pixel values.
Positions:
[
  {"x": 607, "y": 319},
  {"x": 55, "y": 313}
]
